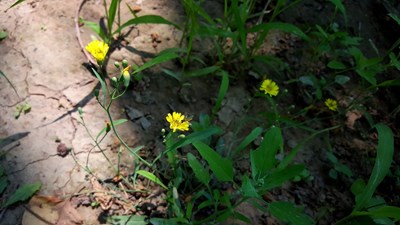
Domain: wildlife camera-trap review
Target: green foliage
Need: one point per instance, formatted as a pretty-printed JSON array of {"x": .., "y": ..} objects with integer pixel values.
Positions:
[
  {"x": 22, "y": 193},
  {"x": 22, "y": 108},
  {"x": 3, "y": 35},
  {"x": 287, "y": 212}
]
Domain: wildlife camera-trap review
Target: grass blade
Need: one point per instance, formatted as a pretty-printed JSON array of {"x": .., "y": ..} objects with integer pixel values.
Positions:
[
  {"x": 12, "y": 86},
  {"x": 339, "y": 5},
  {"x": 162, "y": 57},
  {"x": 112, "y": 11},
  {"x": 222, "y": 91},
  {"x": 287, "y": 212},
  {"x": 221, "y": 167},
  {"x": 15, "y": 4},
  {"x": 382, "y": 212},
  {"x": 95, "y": 27},
  {"x": 151, "y": 177},
  {"x": 146, "y": 19},
  {"x": 103, "y": 86},
  {"x": 247, "y": 140},
  {"x": 382, "y": 165}
]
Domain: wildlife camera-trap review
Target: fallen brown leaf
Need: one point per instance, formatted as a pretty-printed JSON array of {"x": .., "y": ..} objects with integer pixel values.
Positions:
[{"x": 352, "y": 117}]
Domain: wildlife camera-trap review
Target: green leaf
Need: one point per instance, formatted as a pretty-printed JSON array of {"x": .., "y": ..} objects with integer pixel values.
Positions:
[
  {"x": 287, "y": 212},
  {"x": 95, "y": 27},
  {"x": 164, "y": 56},
  {"x": 221, "y": 167},
  {"x": 263, "y": 158},
  {"x": 15, "y": 3},
  {"x": 115, "y": 122},
  {"x": 279, "y": 177},
  {"x": 127, "y": 220},
  {"x": 381, "y": 212},
  {"x": 248, "y": 189},
  {"x": 339, "y": 5},
  {"x": 151, "y": 177},
  {"x": 112, "y": 11},
  {"x": 357, "y": 187},
  {"x": 199, "y": 171},
  {"x": 395, "y": 17},
  {"x": 3, "y": 184},
  {"x": 286, "y": 27},
  {"x": 222, "y": 91},
  {"x": 170, "y": 221},
  {"x": 103, "y": 87},
  {"x": 196, "y": 136},
  {"x": 341, "y": 79},
  {"x": 3, "y": 35},
  {"x": 247, "y": 140},
  {"x": 174, "y": 74},
  {"x": 146, "y": 19},
  {"x": 382, "y": 165},
  {"x": 394, "y": 61},
  {"x": 202, "y": 71},
  {"x": 337, "y": 65},
  {"x": 23, "y": 193},
  {"x": 389, "y": 83}
]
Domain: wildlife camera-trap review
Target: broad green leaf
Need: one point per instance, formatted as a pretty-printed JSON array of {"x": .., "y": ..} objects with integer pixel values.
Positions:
[
  {"x": 3, "y": 184},
  {"x": 222, "y": 91},
  {"x": 103, "y": 86},
  {"x": 263, "y": 158},
  {"x": 162, "y": 57},
  {"x": 146, "y": 19},
  {"x": 170, "y": 221},
  {"x": 3, "y": 35},
  {"x": 247, "y": 140},
  {"x": 202, "y": 71},
  {"x": 116, "y": 123},
  {"x": 382, "y": 165},
  {"x": 248, "y": 189},
  {"x": 127, "y": 220},
  {"x": 357, "y": 187},
  {"x": 111, "y": 14},
  {"x": 199, "y": 171},
  {"x": 151, "y": 177},
  {"x": 23, "y": 193},
  {"x": 341, "y": 79},
  {"x": 221, "y": 167},
  {"x": 174, "y": 74},
  {"x": 287, "y": 212},
  {"x": 381, "y": 212},
  {"x": 337, "y": 65},
  {"x": 307, "y": 80},
  {"x": 279, "y": 177}
]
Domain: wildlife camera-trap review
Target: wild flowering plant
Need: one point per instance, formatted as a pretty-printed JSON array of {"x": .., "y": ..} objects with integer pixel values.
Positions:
[
  {"x": 177, "y": 121},
  {"x": 98, "y": 49},
  {"x": 269, "y": 87},
  {"x": 331, "y": 104}
]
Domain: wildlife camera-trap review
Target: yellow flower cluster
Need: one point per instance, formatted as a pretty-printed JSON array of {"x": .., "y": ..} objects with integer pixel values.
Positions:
[
  {"x": 97, "y": 49},
  {"x": 331, "y": 104},
  {"x": 177, "y": 121},
  {"x": 269, "y": 87}
]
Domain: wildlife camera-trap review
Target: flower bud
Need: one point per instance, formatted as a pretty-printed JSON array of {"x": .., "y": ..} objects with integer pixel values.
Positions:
[
  {"x": 114, "y": 80},
  {"x": 96, "y": 93},
  {"x": 182, "y": 136},
  {"x": 80, "y": 110},
  {"x": 117, "y": 65},
  {"x": 124, "y": 63},
  {"x": 108, "y": 127},
  {"x": 127, "y": 78}
]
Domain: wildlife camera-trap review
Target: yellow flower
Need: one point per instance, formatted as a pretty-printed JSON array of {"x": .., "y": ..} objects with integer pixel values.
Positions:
[
  {"x": 177, "y": 121},
  {"x": 98, "y": 49},
  {"x": 331, "y": 104},
  {"x": 269, "y": 87}
]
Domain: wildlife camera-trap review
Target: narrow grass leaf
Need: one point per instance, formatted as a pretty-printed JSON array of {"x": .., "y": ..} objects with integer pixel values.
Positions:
[
  {"x": 151, "y": 177},
  {"x": 127, "y": 220},
  {"x": 196, "y": 136},
  {"x": 174, "y": 74},
  {"x": 202, "y": 71},
  {"x": 221, "y": 167},
  {"x": 199, "y": 171},
  {"x": 170, "y": 221},
  {"x": 162, "y": 57},
  {"x": 116, "y": 123},
  {"x": 15, "y": 4},
  {"x": 146, "y": 19},
  {"x": 95, "y": 27},
  {"x": 382, "y": 212},
  {"x": 112, "y": 11},
  {"x": 286, "y": 27},
  {"x": 3, "y": 184},
  {"x": 389, "y": 83},
  {"x": 263, "y": 158},
  {"x": 23, "y": 193},
  {"x": 339, "y": 5},
  {"x": 12, "y": 86},
  {"x": 395, "y": 17},
  {"x": 382, "y": 165},
  {"x": 287, "y": 212},
  {"x": 247, "y": 140},
  {"x": 240, "y": 25},
  {"x": 103, "y": 86},
  {"x": 223, "y": 89}
]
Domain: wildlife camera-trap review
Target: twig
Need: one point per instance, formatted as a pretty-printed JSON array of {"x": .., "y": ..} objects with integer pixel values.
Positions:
[{"x": 78, "y": 34}]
